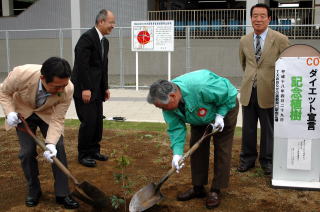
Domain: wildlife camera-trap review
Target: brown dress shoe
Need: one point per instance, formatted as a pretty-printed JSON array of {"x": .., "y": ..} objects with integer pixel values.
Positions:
[
  {"x": 213, "y": 200},
  {"x": 190, "y": 194}
]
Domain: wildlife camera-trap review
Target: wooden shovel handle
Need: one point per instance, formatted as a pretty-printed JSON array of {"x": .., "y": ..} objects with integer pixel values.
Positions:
[
  {"x": 206, "y": 134},
  {"x": 43, "y": 146}
]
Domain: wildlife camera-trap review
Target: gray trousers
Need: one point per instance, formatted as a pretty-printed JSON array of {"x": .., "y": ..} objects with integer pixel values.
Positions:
[
  {"x": 222, "y": 152},
  {"x": 28, "y": 156}
]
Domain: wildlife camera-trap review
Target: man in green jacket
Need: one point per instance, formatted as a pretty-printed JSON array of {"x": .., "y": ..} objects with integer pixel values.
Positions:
[{"x": 199, "y": 98}]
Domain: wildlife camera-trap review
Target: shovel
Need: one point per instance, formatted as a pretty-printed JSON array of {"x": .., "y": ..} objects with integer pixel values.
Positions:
[
  {"x": 84, "y": 191},
  {"x": 150, "y": 195}
]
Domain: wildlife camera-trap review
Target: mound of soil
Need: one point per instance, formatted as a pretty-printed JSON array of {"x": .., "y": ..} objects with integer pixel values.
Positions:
[{"x": 148, "y": 157}]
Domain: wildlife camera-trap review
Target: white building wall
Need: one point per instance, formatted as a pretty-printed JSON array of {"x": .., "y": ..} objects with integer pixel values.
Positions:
[
  {"x": 53, "y": 14},
  {"x": 43, "y": 14}
]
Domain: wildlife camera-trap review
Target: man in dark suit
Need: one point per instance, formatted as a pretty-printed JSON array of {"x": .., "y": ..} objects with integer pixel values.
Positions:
[
  {"x": 90, "y": 79},
  {"x": 259, "y": 51}
]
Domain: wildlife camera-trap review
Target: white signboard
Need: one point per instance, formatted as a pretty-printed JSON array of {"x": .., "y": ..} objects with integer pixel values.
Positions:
[
  {"x": 152, "y": 36},
  {"x": 297, "y": 119},
  {"x": 297, "y": 98},
  {"x": 299, "y": 154}
]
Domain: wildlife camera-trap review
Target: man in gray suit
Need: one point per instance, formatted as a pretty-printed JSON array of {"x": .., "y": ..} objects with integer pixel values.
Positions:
[{"x": 259, "y": 51}]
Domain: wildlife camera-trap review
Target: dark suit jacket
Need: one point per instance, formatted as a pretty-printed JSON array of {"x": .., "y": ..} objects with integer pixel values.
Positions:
[{"x": 90, "y": 71}]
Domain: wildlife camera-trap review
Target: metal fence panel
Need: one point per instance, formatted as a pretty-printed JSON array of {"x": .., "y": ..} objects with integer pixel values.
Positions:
[
  {"x": 3, "y": 56},
  {"x": 21, "y": 50},
  {"x": 191, "y": 52},
  {"x": 230, "y": 23}
]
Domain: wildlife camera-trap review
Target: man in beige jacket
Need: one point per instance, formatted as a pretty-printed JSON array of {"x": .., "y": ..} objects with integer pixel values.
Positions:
[
  {"x": 42, "y": 95},
  {"x": 259, "y": 51}
]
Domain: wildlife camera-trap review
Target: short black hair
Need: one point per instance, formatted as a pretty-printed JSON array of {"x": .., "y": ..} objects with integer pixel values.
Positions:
[
  {"x": 263, "y": 6},
  {"x": 55, "y": 67}
]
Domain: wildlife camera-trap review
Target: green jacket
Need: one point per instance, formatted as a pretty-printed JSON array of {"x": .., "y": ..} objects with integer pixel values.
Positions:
[{"x": 205, "y": 94}]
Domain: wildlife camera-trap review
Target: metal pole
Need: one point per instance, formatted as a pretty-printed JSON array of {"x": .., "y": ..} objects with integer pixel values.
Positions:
[
  {"x": 121, "y": 59},
  {"x": 61, "y": 42},
  {"x": 188, "y": 65},
  {"x": 8, "y": 51},
  {"x": 169, "y": 66}
]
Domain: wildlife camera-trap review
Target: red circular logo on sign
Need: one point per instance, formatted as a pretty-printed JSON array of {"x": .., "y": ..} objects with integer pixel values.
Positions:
[
  {"x": 202, "y": 112},
  {"x": 143, "y": 37}
]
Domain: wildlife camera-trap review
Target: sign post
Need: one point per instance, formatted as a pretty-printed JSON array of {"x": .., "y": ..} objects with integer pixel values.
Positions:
[{"x": 152, "y": 36}]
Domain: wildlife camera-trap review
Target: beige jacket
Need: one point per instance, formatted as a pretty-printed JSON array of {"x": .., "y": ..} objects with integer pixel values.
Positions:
[
  {"x": 18, "y": 94},
  {"x": 274, "y": 44}
]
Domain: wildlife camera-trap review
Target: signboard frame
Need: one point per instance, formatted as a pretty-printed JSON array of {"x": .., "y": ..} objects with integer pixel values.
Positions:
[{"x": 152, "y": 36}]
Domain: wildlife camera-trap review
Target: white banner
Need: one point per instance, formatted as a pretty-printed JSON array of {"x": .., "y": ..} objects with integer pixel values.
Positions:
[{"x": 297, "y": 98}]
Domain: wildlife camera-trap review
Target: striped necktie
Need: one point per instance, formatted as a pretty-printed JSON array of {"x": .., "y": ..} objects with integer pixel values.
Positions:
[
  {"x": 258, "y": 48},
  {"x": 41, "y": 97}
]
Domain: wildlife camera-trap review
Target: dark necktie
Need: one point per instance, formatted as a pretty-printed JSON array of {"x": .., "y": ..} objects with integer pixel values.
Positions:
[
  {"x": 258, "y": 48},
  {"x": 102, "y": 47},
  {"x": 182, "y": 107}
]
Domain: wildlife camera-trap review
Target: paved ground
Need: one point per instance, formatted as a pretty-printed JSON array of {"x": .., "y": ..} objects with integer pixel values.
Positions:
[{"x": 130, "y": 104}]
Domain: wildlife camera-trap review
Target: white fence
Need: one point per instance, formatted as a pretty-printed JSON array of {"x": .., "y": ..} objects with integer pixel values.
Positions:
[{"x": 296, "y": 23}]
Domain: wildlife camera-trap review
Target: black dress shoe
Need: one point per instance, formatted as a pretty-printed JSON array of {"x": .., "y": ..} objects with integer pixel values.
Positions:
[
  {"x": 267, "y": 169},
  {"x": 98, "y": 156},
  {"x": 244, "y": 168},
  {"x": 88, "y": 162},
  {"x": 191, "y": 193},
  {"x": 67, "y": 202},
  {"x": 32, "y": 201}
]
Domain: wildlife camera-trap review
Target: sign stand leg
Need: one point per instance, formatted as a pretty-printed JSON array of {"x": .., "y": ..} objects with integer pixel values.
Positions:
[
  {"x": 169, "y": 66},
  {"x": 137, "y": 71}
]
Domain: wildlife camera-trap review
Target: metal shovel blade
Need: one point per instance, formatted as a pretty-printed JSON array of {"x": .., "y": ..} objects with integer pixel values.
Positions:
[
  {"x": 91, "y": 195},
  {"x": 145, "y": 198}
]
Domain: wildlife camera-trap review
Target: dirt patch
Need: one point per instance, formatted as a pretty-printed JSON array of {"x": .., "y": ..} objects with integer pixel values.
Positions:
[{"x": 150, "y": 158}]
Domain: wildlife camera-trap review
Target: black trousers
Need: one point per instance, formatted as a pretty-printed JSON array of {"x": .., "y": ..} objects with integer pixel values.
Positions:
[
  {"x": 250, "y": 115},
  {"x": 28, "y": 156},
  {"x": 222, "y": 153},
  {"x": 90, "y": 131}
]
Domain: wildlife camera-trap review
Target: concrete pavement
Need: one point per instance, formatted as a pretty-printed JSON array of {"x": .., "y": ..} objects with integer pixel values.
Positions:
[{"x": 130, "y": 104}]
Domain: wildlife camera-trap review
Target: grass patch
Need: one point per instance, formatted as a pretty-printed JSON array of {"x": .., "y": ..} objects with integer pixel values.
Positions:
[
  {"x": 143, "y": 126},
  {"x": 238, "y": 132},
  {"x": 127, "y": 125},
  {"x": 124, "y": 125}
]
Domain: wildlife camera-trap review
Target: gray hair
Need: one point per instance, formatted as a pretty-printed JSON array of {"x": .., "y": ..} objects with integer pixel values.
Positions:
[
  {"x": 159, "y": 91},
  {"x": 102, "y": 15}
]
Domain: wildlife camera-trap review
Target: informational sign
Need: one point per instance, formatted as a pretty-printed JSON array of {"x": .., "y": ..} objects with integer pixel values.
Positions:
[
  {"x": 152, "y": 36},
  {"x": 297, "y": 119},
  {"x": 297, "y": 98}
]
